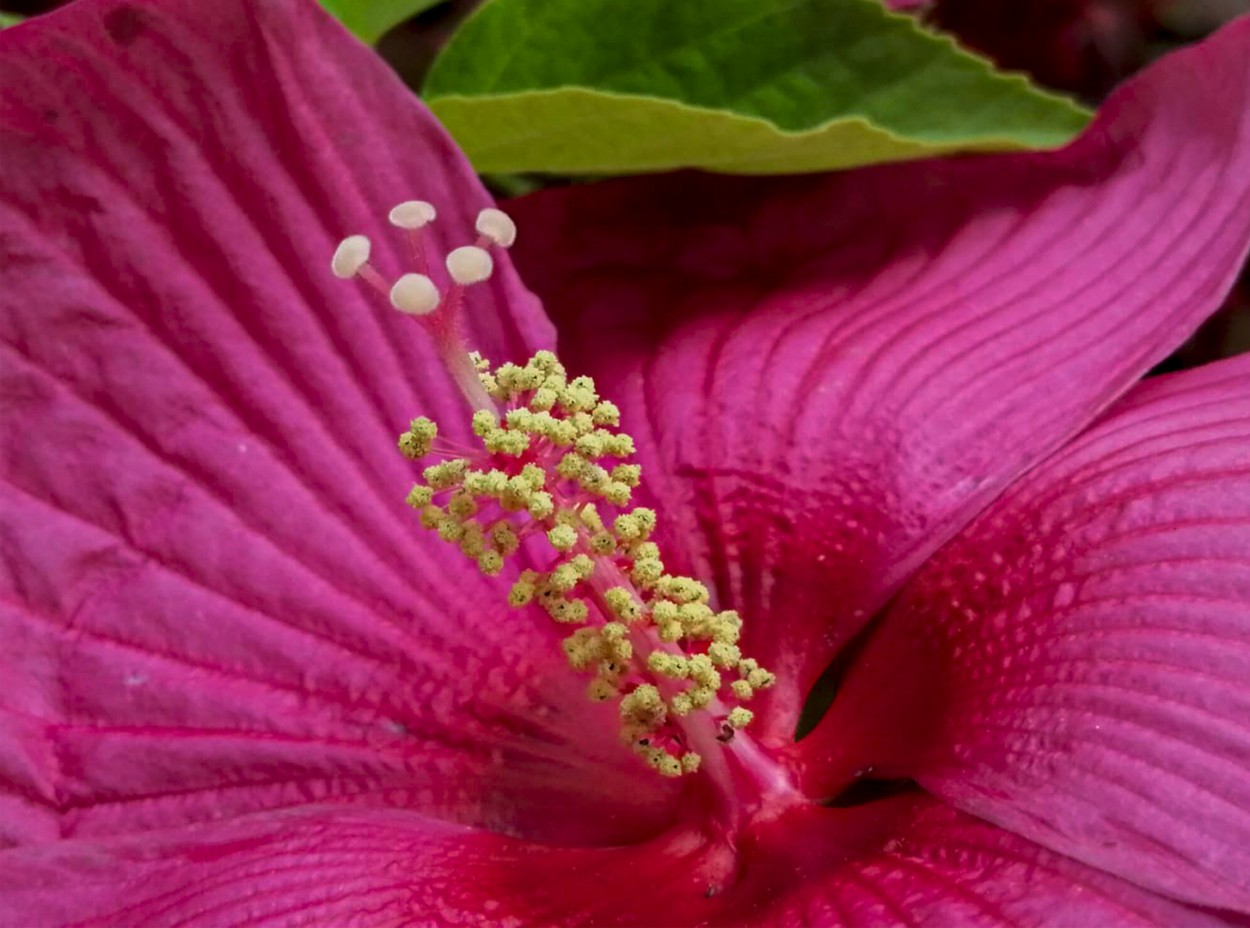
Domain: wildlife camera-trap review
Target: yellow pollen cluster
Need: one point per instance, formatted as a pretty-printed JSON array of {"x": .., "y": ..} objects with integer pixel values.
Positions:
[{"x": 551, "y": 467}]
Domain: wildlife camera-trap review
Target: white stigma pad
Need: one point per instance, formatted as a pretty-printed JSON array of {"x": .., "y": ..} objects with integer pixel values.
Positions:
[
  {"x": 415, "y": 294},
  {"x": 412, "y": 214},
  {"x": 497, "y": 226},
  {"x": 469, "y": 265},
  {"x": 351, "y": 255}
]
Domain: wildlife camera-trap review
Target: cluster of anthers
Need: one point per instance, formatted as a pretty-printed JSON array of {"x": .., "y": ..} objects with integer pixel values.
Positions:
[{"x": 552, "y": 464}]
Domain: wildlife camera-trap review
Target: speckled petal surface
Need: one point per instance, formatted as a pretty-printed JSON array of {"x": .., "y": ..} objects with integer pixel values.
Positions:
[
  {"x": 390, "y": 867},
  {"x": 1075, "y": 665}
]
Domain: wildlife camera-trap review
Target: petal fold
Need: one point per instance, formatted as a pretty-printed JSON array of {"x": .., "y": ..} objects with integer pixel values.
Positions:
[{"x": 1075, "y": 666}]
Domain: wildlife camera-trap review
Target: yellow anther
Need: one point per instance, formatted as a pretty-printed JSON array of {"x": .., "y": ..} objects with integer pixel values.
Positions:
[
  {"x": 645, "y": 551},
  {"x": 628, "y": 474},
  {"x": 585, "y": 566},
  {"x": 562, "y": 537},
  {"x": 564, "y": 578},
  {"x": 761, "y": 679},
  {"x": 521, "y": 419},
  {"x": 507, "y": 441},
  {"x": 627, "y": 527},
  {"x": 543, "y": 399},
  {"x": 580, "y": 395},
  {"x": 724, "y": 655},
  {"x": 690, "y": 762},
  {"x": 740, "y": 717},
  {"x": 419, "y": 439},
  {"x": 618, "y": 446},
  {"x": 601, "y": 690},
  {"x": 647, "y": 518},
  {"x": 669, "y": 766},
  {"x": 727, "y": 627},
  {"x": 602, "y": 543},
  {"x": 489, "y": 483},
  {"x": 593, "y": 478},
  {"x": 571, "y": 466},
  {"x": 606, "y": 414},
  {"x": 522, "y": 592},
  {"x": 529, "y": 378},
  {"x": 506, "y": 374},
  {"x": 484, "y": 423},
  {"x": 583, "y": 648},
  {"x": 534, "y": 475},
  {"x": 450, "y": 530},
  {"x": 566, "y": 610},
  {"x": 670, "y": 631},
  {"x": 617, "y": 494},
  {"x": 618, "y": 644},
  {"x": 492, "y": 388},
  {"x": 445, "y": 475},
  {"x": 681, "y": 704},
  {"x": 420, "y": 496},
  {"x": 669, "y": 665},
  {"x": 701, "y": 696},
  {"x": 581, "y": 422},
  {"x": 645, "y": 573},
  {"x": 664, "y": 612},
  {"x": 462, "y": 506},
  {"x": 643, "y": 703},
  {"x": 562, "y": 434},
  {"x": 546, "y": 361},
  {"x": 682, "y": 589},
  {"x": 590, "y": 446},
  {"x": 590, "y": 518},
  {"x": 432, "y": 517},
  {"x": 622, "y": 604},
  {"x": 703, "y": 672},
  {"x": 504, "y": 538},
  {"x": 540, "y": 505},
  {"x": 742, "y": 689},
  {"x": 473, "y": 542}
]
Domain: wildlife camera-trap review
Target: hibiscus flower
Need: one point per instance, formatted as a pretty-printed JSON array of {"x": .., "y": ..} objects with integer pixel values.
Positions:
[{"x": 887, "y": 416}]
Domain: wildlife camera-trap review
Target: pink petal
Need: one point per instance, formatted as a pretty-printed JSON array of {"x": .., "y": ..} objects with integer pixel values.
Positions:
[
  {"x": 945, "y": 868},
  {"x": 214, "y": 598},
  {"x": 326, "y": 867},
  {"x": 1075, "y": 666},
  {"x": 828, "y": 376}
]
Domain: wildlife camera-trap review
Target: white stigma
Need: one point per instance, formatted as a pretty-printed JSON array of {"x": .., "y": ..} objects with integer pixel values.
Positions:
[
  {"x": 412, "y": 214},
  {"x": 415, "y": 294},
  {"x": 497, "y": 226},
  {"x": 469, "y": 265},
  {"x": 351, "y": 255}
]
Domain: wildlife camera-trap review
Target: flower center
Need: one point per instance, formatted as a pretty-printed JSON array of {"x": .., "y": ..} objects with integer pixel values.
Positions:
[{"x": 552, "y": 465}]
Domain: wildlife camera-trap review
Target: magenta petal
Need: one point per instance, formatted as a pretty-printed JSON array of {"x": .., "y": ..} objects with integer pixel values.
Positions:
[
  {"x": 214, "y": 599},
  {"x": 828, "y": 376},
  {"x": 946, "y": 868},
  {"x": 335, "y": 867},
  {"x": 381, "y": 867},
  {"x": 1075, "y": 666}
]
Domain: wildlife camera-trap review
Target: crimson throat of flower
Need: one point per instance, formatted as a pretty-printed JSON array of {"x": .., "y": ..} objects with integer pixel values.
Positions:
[{"x": 551, "y": 463}]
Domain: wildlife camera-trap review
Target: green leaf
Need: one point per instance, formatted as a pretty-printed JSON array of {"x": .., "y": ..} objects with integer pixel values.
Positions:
[
  {"x": 740, "y": 86},
  {"x": 370, "y": 19},
  {"x": 10, "y": 19}
]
